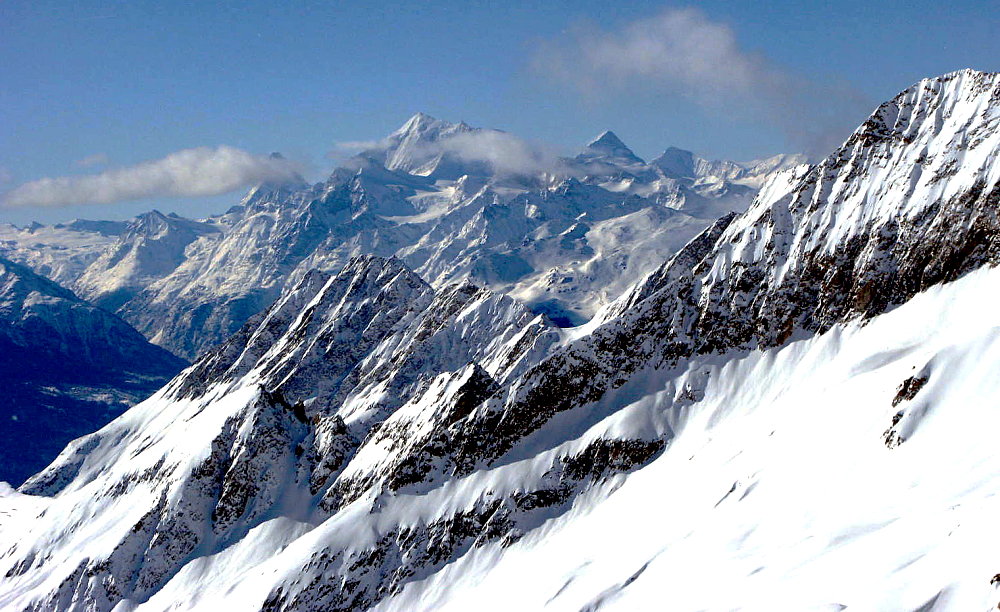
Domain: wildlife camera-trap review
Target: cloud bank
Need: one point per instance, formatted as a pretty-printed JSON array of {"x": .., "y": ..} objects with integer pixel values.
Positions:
[
  {"x": 505, "y": 153},
  {"x": 683, "y": 52},
  {"x": 191, "y": 172}
]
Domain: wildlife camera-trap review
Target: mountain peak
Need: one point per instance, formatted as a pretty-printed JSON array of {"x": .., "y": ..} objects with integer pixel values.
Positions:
[
  {"x": 423, "y": 127},
  {"x": 419, "y": 124},
  {"x": 968, "y": 72},
  {"x": 415, "y": 144},
  {"x": 676, "y": 162},
  {"x": 608, "y": 146},
  {"x": 421, "y": 116},
  {"x": 607, "y": 140}
]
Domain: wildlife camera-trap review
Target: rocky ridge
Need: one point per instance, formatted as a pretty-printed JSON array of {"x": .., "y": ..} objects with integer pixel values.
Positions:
[
  {"x": 564, "y": 238},
  {"x": 370, "y": 428}
]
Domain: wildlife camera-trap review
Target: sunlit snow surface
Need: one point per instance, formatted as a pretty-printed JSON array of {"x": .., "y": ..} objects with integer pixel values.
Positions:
[
  {"x": 60, "y": 253},
  {"x": 778, "y": 492},
  {"x": 799, "y": 478}
]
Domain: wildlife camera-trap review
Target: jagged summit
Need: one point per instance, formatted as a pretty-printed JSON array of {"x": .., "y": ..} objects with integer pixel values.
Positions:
[
  {"x": 418, "y": 145},
  {"x": 416, "y": 122},
  {"x": 419, "y": 123},
  {"x": 425, "y": 127},
  {"x": 375, "y": 441},
  {"x": 453, "y": 202},
  {"x": 973, "y": 72}
]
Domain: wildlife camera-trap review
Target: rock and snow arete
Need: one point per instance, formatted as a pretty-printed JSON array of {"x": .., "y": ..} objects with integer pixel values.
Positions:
[{"x": 797, "y": 410}]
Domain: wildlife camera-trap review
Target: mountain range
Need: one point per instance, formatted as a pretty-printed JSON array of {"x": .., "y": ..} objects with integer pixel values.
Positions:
[
  {"x": 564, "y": 239},
  {"x": 562, "y": 235},
  {"x": 438, "y": 382}
]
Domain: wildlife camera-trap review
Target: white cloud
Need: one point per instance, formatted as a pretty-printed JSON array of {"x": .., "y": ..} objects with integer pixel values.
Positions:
[
  {"x": 680, "y": 47},
  {"x": 505, "y": 153},
  {"x": 97, "y": 159},
  {"x": 191, "y": 172},
  {"x": 683, "y": 52}
]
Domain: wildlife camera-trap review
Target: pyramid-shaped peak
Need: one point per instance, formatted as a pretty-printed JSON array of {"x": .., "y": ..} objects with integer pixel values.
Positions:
[
  {"x": 151, "y": 215},
  {"x": 149, "y": 222},
  {"x": 609, "y": 146},
  {"x": 678, "y": 163},
  {"x": 607, "y": 140},
  {"x": 675, "y": 153}
]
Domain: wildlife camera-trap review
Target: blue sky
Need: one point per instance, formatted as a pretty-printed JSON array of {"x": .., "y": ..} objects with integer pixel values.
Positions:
[{"x": 119, "y": 83}]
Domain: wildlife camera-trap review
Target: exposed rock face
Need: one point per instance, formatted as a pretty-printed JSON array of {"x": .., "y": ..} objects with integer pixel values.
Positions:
[{"x": 369, "y": 429}]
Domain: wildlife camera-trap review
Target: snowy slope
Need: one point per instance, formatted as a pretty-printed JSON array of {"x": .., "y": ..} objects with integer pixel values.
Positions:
[
  {"x": 802, "y": 393},
  {"x": 777, "y": 490},
  {"x": 151, "y": 246},
  {"x": 60, "y": 252}
]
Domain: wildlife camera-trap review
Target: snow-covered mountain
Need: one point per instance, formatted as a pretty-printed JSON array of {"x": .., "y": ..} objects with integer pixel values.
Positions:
[
  {"x": 60, "y": 252},
  {"x": 566, "y": 238},
  {"x": 566, "y": 235},
  {"x": 415, "y": 148},
  {"x": 66, "y": 368},
  {"x": 150, "y": 247},
  {"x": 795, "y": 411}
]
